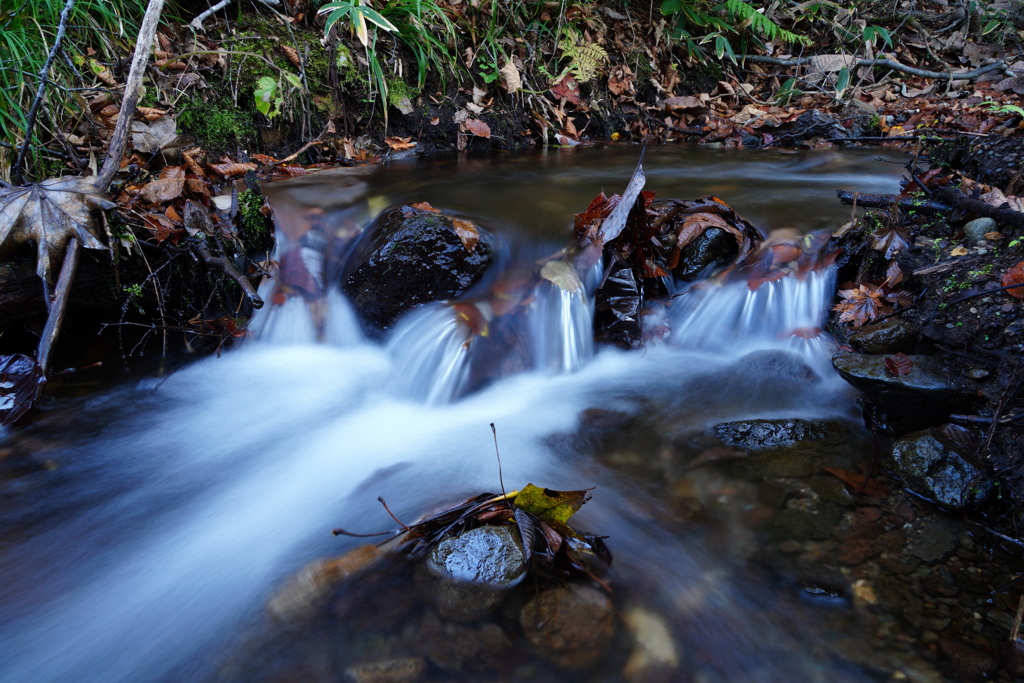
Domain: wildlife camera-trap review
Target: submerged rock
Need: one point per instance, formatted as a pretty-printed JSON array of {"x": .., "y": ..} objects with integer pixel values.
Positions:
[
  {"x": 462, "y": 648},
  {"x": 758, "y": 435},
  {"x": 410, "y": 256},
  {"x": 469, "y": 574},
  {"x": 400, "y": 670},
  {"x": 892, "y": 336},
  {"x": 930, "y": 464},
  {"x": 655, "y": 656},
  {"x": 571, "y": 626}
]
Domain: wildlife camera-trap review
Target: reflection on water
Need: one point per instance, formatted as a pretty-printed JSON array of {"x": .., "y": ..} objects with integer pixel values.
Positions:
[{"x": 161, "y": 514}]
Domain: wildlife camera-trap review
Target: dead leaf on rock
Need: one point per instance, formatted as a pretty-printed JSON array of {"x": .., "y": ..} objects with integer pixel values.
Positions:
[
  {"x": 898, "y": 364},
  {"x": 425, "y": 206},
  {"x": 467, "y": 232},
  {"x": 50, "y": 213},
  {"x": 562, "y": 274},
  {"x": 478, "y": 128}
]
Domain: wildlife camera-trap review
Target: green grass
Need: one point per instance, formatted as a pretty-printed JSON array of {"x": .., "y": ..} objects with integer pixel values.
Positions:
[{"x": 100, "y": 32}]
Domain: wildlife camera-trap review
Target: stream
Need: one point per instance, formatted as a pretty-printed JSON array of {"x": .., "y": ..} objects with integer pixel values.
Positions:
[{"x": 153, "y": 519}]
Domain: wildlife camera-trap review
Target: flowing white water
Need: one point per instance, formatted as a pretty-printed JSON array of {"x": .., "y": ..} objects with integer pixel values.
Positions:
[{"x": 167, "y": 529}]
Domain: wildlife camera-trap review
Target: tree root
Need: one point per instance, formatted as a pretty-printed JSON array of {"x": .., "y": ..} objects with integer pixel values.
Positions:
[{"x": 229, "y": 269}]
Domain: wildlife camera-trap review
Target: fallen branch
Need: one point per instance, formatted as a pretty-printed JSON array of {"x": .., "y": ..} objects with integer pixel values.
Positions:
[
  {"x": 229, "y": 269},
  {"x": 945, "y": 200},
  {"x": 891, "y": 64},
  {"x": 119, "y": 140},
  {"x": 887, "y": 201},
  {"x": 33, "y": 112}
]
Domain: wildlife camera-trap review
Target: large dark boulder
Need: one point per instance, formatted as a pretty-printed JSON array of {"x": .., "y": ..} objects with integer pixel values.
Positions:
[
  {"x": 713, "y": 247},
  {"x": 411, "y": 256}
]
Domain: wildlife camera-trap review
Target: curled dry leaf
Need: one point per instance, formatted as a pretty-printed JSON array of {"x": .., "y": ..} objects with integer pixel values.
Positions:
[
  {"x": 510, "y": 79},
  {"x": 399, "y": 144},
  {"x": 898, "y": 364},
  {"x": 425, "y": 206},
  {"x": 1014, "y": 276}
]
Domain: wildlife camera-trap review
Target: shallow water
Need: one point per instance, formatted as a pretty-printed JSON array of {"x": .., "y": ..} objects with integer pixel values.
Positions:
[{"x": 154, "y": 519}]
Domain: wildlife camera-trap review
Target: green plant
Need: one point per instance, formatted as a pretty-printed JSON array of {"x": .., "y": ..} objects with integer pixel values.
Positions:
[
  {"x": 218, "y": 125},
  {"x": 269, "y": 93},
  {"x": 424, "y": 28},
  {"x": 98, "y": 33},
  {"x": 697, "y": 23},
  {"x": 1001, "y": 108},
  {"x": 787, "y": 92}
]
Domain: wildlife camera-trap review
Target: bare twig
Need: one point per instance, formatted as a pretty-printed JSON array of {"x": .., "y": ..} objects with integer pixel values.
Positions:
[
  {"x": 30, "y": 121},
  {"x": 119, "y": 140},
  {"x": 229, "y": 269},
  {"x": 197, "y": 23},
  {"x": 891, "y": 64}
]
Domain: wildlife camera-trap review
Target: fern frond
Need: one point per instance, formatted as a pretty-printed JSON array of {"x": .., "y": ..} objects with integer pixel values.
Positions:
[{"x": 585, "y": 59}]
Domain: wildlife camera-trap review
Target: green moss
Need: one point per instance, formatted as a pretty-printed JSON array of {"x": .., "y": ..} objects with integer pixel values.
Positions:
[
  {"x": 255, "y": 229},
  {"x": 218, "y": 125},
  {"x": 399, "y": 90}
]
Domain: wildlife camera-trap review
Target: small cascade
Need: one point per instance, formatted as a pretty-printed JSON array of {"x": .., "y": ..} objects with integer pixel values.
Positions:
[
  {"x": 431, "y": 351},
  {"x": 761, "y": 304},
  {"x": 561, "y": 328}
]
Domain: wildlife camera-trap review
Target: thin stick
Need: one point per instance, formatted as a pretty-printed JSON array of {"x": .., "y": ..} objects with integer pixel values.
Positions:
[
  {"x": 891, "y": 64},
  {"x": 501, "y": 481},
  {"x": 33, "y": 112},
  {"x": 400, "y": 523},
  {"x": 55, "y": 317},
  {"x": 229, "y": 269},
  {"x": 1015, "y": 631},
  {"x": 119, "y": 140}
]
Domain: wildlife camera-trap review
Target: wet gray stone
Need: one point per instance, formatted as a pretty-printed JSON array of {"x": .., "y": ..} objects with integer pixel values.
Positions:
[
  {"x": 759, "y": 435},
  {"x": 929, "y": 464},
  {"x": 570, "y": 626},
  {"x": 922, "y": 398},
  {"x": 891, "y": 336},
  {"x": 975, "y": 230},
  {"x": 468, "y": 575}
]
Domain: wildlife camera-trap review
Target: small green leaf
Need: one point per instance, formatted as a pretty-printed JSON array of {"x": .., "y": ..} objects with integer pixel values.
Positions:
[
  {"x": 842, "y": 81},
  {"x": 267, "y": 99},
  {"x": 293, "y": 79},
  {"x": 553, "y": 507}
]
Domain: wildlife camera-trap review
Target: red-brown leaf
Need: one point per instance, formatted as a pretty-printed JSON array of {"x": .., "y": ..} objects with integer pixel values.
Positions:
[
  {"x": 478, "y": 128},
  {"x": 1015, "y": 276},
  {"x": 232, "y": 170},
  {"x": 862, "y": 304},
  {"x": 860, "y": 483},
  {"x": 898, "y": 364}
]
